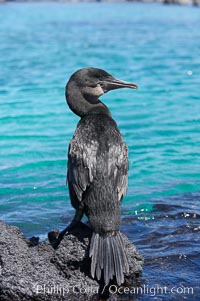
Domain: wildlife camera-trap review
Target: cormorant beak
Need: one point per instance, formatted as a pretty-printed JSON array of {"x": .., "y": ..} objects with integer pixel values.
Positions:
[{"x": 112, "y": 83}]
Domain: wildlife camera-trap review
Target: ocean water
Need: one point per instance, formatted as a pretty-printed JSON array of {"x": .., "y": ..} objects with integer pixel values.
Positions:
[{"x": 153, "y": 45}]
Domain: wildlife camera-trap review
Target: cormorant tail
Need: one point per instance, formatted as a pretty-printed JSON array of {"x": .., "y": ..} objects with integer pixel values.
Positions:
[{"x": 108, "y": 254}]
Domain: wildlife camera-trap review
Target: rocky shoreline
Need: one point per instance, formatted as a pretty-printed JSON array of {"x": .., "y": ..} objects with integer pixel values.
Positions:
[
  {"x": 33, "y": 271},
  {"x": 176, "y": 2}
]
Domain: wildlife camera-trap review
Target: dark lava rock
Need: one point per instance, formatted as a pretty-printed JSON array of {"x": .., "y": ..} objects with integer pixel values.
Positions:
[{"x": 33, "y": 271}]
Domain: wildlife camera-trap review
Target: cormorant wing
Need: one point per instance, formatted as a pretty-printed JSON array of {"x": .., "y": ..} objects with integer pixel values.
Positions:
[
  {"x": 82, "y": 162},
  {"x": 118, "y": 165}
]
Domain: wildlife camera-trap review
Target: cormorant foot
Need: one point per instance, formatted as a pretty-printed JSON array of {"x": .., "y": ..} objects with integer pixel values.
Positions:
[
  {"x": 56, "y": 243},
  {"x": 53, "y": 238}
]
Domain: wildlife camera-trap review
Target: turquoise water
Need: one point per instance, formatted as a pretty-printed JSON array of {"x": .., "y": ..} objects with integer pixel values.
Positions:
[{"x": 155, "y": 46}]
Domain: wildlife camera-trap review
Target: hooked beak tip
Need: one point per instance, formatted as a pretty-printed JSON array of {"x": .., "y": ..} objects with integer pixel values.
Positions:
[{"x": 134, "y": 86}]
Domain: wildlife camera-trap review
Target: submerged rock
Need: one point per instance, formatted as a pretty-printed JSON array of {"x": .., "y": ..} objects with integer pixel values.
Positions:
[{"x": 34, "y": 271}]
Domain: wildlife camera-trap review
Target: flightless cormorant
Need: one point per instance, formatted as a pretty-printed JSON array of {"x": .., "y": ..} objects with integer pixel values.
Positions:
[{"x": 98, "y": 171}]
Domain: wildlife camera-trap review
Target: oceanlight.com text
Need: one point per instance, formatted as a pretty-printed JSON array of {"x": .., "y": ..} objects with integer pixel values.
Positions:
[{"x": 151, "y": 290}]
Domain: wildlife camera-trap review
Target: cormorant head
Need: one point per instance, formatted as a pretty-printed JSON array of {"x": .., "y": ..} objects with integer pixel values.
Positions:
[{"x": 90, "y": 83}]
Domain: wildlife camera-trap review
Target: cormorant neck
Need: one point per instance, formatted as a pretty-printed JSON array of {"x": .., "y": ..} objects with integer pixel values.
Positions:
[
  {"x": 100, "y": 109},
  {"x": 82, "y": 106}
]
